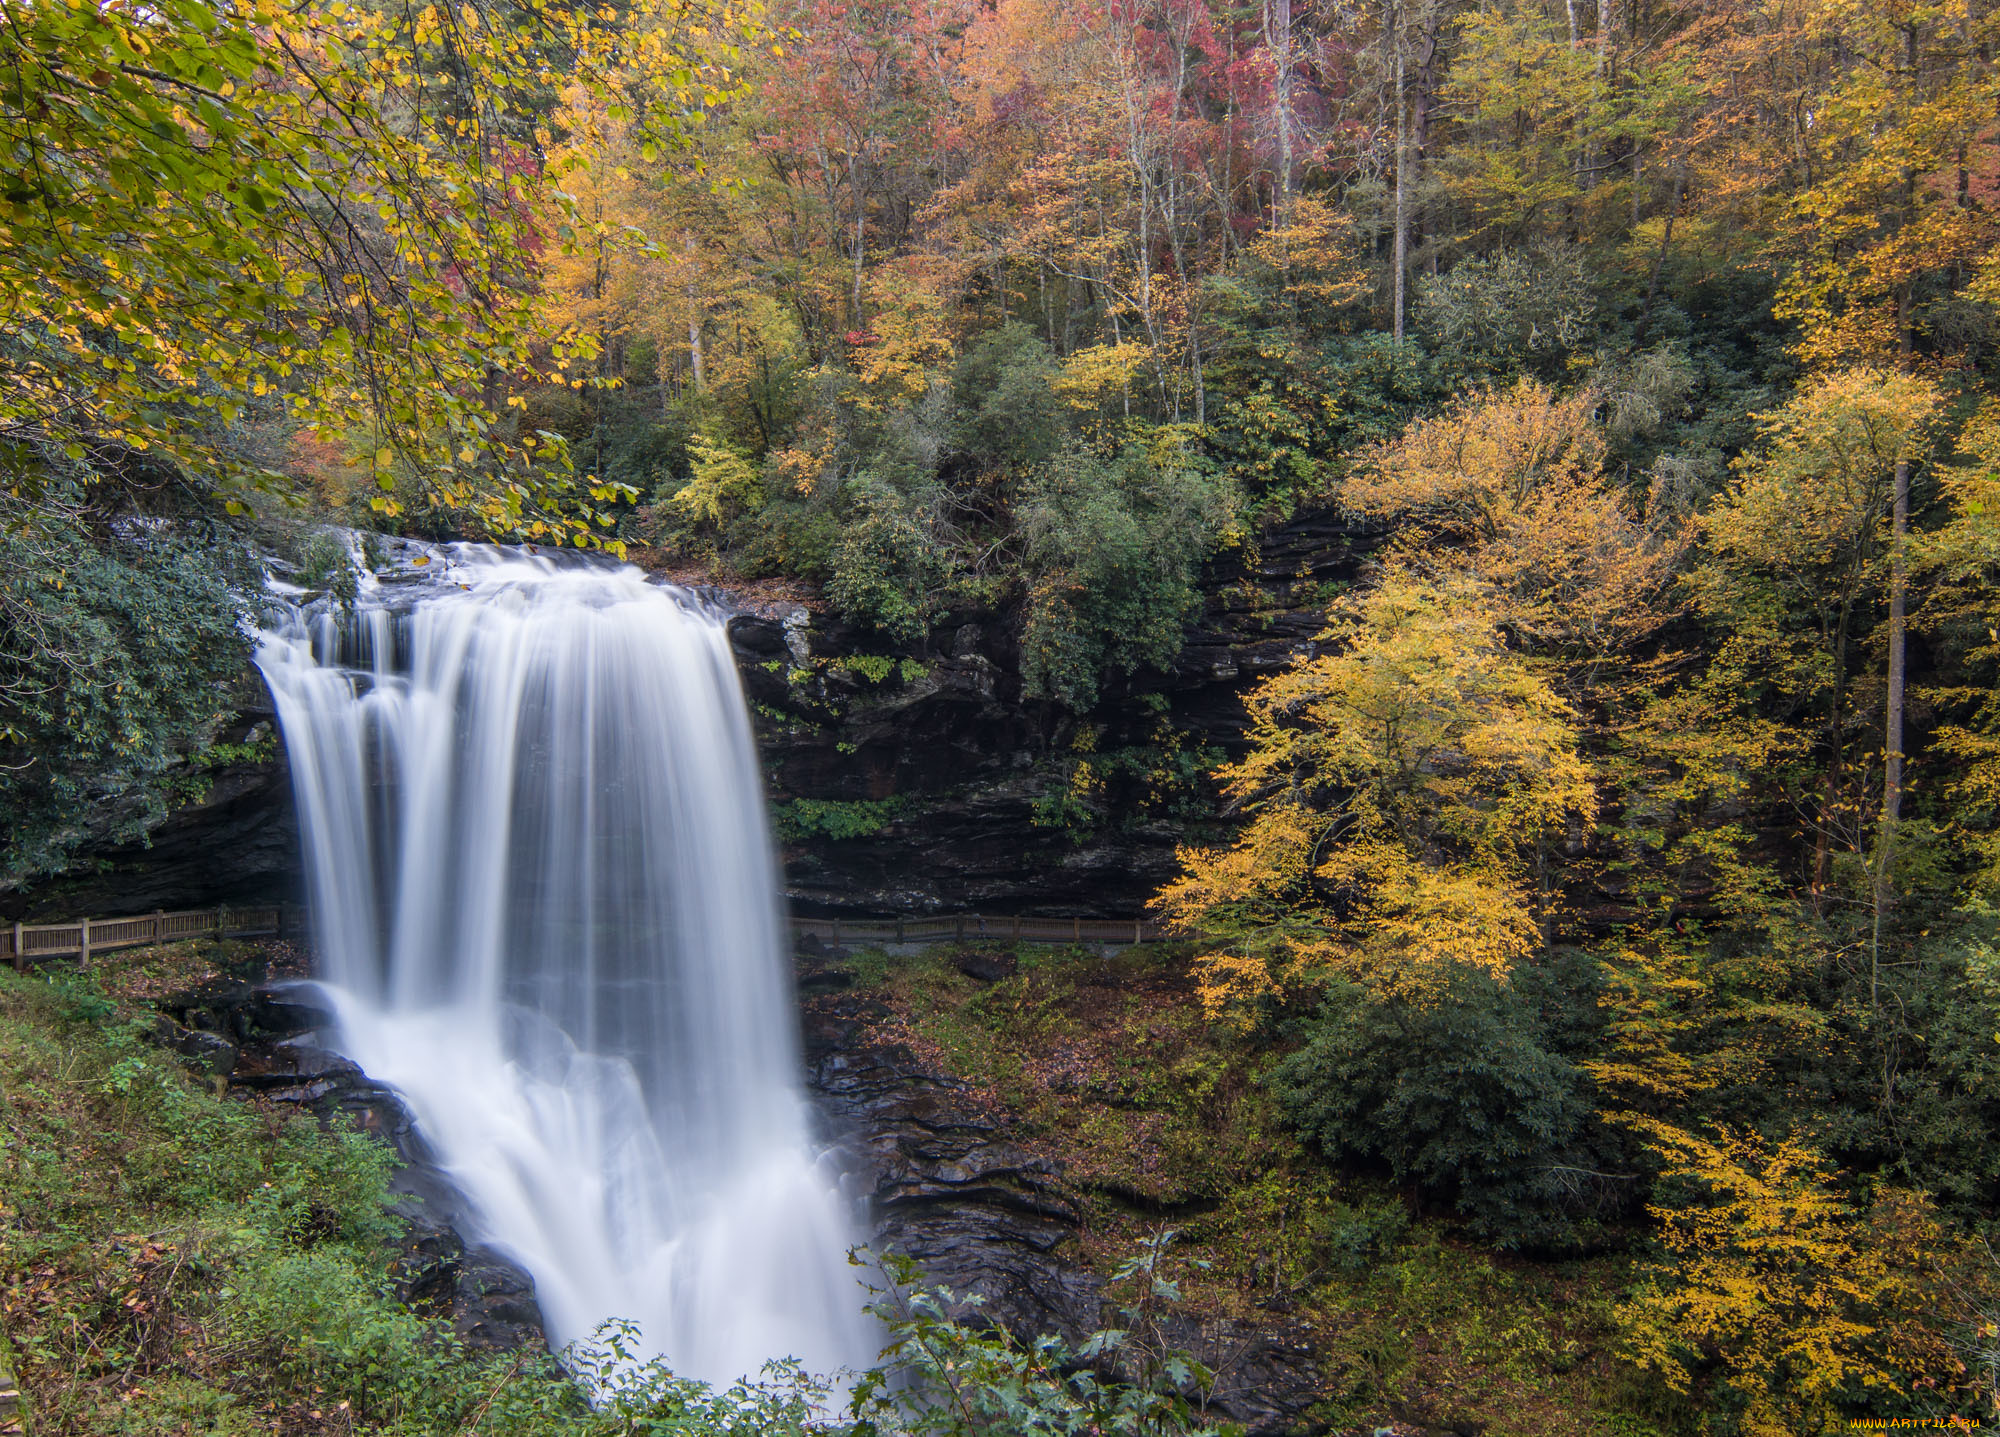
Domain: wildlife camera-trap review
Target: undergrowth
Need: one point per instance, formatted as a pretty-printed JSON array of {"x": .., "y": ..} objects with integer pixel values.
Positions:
[
  {"x": 184, "y": 1263},
  {"x": 1107, "y": 1064}
]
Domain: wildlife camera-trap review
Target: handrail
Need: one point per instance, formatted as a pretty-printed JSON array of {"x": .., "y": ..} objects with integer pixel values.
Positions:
[
  {"x": 84, "y": 937},
  {"x": 25, "y": 942},
  {"x": 961, "y": 928}
]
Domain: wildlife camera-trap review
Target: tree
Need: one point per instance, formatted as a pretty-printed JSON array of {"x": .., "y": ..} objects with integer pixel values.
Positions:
[
  {"x": 120, "y": 648},
  {"x": 1113, "y": 549},
  {"x": 1398, "y": 788},
  {"x": 1800, "y": 1301},
  {"x": 1801, "y": 546},
  {"x": 1461, "y": 1096},
  {"x": 325, "y": 217},
  {"x": 1508, "y": 485}
]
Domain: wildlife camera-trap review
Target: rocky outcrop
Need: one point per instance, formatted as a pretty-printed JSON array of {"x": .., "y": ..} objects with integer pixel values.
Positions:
[
  {"x": 917, "y": 778},
  {"x": 235, "y": 841},
  {"x": 985, "y": 1216},
  {"x": 262, "y": 1038}
]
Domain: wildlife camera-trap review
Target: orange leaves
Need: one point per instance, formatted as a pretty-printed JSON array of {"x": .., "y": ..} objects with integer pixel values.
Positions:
[
  {"x": 1466, "y": 469},
  {"x": 908, "y": 349},
  {"x": 1317, "y": 251}
]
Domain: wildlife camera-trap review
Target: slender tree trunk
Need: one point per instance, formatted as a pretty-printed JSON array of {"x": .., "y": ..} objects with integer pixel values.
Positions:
[
  {"x": 693, "y": 294},
  {"x": 860, "y": 220},
  {"x": 1607, "y": 26},
  {"x": 1278, "y": 37},
  {"x": 1401, "y": 258},
  {"x": 1892, "y": 717}
]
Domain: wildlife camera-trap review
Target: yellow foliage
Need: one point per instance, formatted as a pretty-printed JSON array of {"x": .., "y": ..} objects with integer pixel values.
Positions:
[
  {"x": 1317, "y": 251},
  {"x": 1512, "y": 480},
  {"x": 1819, "y": 486},
  {"x": 907, "y": 349},
  {"x": 1423, "y": 918},
  {"x": 1799, "y": 1299},
  {"x": 1398, "y": 786},
  {"x": 1468, "y": 470},
  {"x": 723, "y": 484},
  {"x": 1093, "y": 374},
  {"x": 1804, "y": 528}
]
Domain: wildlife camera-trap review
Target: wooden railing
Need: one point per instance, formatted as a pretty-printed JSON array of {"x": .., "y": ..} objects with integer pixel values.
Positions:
[
  {"x": 25, "y": 943},
  {"x": 843, "y": 932}
]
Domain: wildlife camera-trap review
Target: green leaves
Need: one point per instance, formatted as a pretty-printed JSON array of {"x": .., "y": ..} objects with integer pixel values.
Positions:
[
  {"x": 115, "y": 660},
  {"x": 213, "y": 201}
]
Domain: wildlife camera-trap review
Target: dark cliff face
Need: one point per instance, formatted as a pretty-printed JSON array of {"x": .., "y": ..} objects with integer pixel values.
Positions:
[
  {"x": 919, "y": 778},
  {"x": 903, "y": 778},
  {"x": 234, "y": 841}
]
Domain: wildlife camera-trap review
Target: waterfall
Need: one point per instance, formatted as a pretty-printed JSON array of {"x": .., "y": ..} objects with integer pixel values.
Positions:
[{"x": 545, "y": 906}]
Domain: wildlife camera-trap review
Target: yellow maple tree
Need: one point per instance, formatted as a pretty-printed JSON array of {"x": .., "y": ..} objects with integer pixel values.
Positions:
[
  {"x": 1508, "y": 485},
  {"x": 1398, "y": 786}
]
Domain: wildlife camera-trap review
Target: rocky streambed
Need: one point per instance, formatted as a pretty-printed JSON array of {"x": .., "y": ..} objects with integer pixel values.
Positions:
[
  {"x": 952, "y": 1187},
  {"x": 948, "y": 1182}
]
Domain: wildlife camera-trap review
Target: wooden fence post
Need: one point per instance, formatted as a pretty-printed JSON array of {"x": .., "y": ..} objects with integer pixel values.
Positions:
[
  {"x": 1076, "y": 930},
  {"x": 899, "y": 928},
  {"x": 159, "y": 925},
  {"x": 958, "y": 928},
  {"x": 83, "y": 945},
  {"x": 221, "y": 923},
  {"x": 20, "y": 953},
  {"x": 1017, "y": 928}
]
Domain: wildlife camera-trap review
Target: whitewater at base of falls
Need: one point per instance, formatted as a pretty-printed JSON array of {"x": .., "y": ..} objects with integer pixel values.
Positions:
[{"x": 545, "y": 908}]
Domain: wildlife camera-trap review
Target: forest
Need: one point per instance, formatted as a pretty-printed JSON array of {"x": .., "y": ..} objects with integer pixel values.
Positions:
[{"x": 1612, "y": 886}]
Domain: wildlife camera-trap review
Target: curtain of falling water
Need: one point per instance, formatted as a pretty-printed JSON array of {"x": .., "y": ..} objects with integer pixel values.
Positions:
[{"x": 544, "y": 898}]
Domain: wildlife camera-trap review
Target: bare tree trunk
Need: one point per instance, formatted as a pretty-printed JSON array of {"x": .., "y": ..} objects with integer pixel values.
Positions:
[
  {"x": 1892, "y": 716},
  {"x": 1278, "y": 38},
  {"x": 1607, "y": 25},
  {"x": 1402, "y": 245},
  {"x": 860, "y": 220},
  {"x": 693, "y": 293}
]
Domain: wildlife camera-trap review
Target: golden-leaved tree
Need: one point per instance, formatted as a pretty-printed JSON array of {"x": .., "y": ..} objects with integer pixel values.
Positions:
[
  {"x": 1797, "y": 1301},
  {"x": 1508, "y": 485},
  {"x": 1399, "y": 790}
]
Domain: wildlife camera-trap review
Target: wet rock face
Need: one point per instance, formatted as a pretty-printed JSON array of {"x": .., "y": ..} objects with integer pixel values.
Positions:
[
  {"x": 945, "y": 1186},
  {"x": 951, "y": 770},
  {"x": 264, "y": 1037},
  {"x": 956, "y": 766},
  {"x": 981, "y": 1214},
  {"x": 236, "y": 844}
]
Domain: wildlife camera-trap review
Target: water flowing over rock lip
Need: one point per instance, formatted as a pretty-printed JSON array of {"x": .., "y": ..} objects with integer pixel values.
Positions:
[{"x": 545, "y": 897}]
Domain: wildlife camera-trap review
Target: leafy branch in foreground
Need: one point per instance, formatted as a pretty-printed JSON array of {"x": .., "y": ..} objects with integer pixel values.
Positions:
[
  {"x": 941, "y": 1376},
  {"x": 326, "y": 216}
]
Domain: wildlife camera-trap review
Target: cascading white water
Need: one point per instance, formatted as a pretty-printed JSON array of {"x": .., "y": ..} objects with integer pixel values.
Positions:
[{"x": 544, "y": 902}]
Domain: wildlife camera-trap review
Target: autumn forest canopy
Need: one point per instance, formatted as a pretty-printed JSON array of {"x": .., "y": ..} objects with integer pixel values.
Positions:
[{"x": 1617, "y": 874}]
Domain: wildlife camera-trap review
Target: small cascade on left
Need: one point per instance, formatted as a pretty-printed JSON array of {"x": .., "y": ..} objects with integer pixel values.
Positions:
[{"x": 545, "y": 907}]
